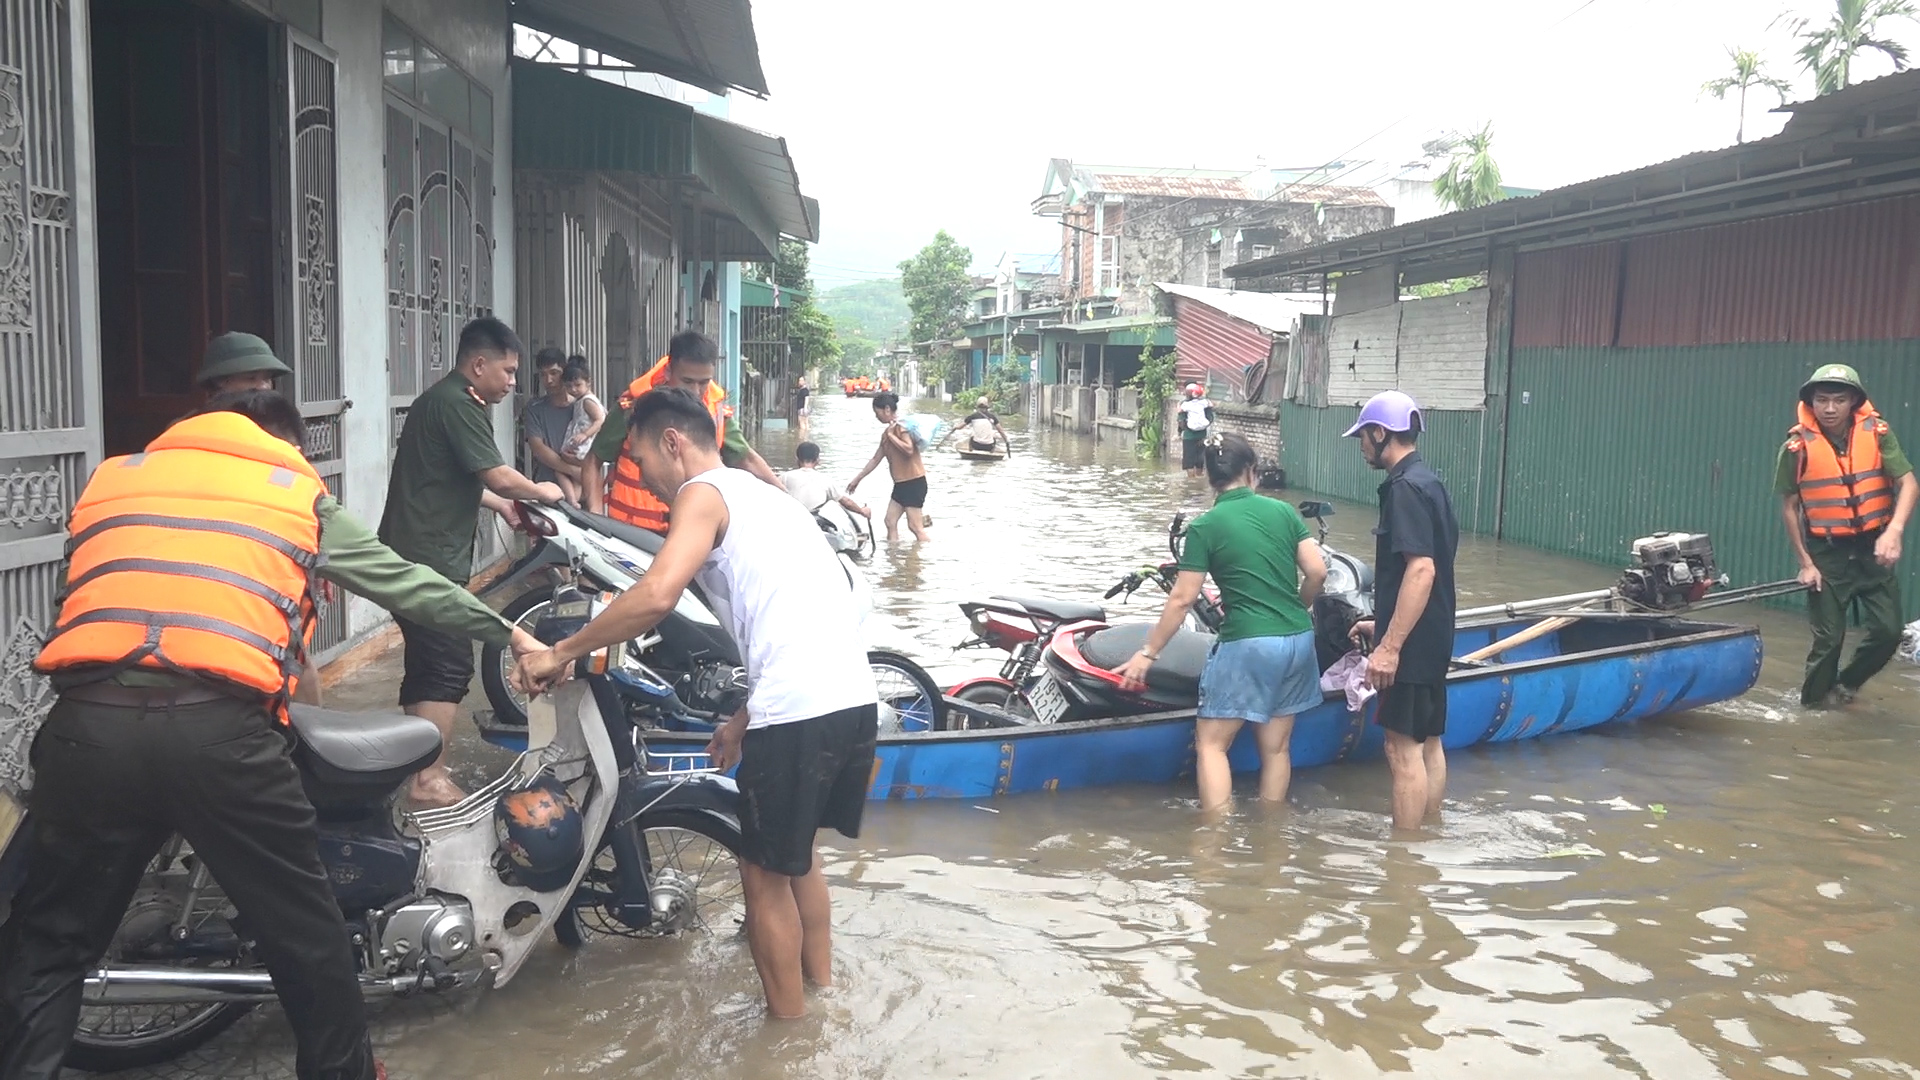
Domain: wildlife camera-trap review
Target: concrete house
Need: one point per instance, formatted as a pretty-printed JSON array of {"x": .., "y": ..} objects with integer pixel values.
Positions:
[{"x": 343, "y": 178}]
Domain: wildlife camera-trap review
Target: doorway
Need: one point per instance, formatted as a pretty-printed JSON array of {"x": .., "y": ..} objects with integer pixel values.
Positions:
[{"x": 184, "y": 156}]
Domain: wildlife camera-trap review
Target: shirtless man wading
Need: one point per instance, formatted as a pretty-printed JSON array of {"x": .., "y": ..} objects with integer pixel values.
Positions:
[{"x": 903, "y": 461}]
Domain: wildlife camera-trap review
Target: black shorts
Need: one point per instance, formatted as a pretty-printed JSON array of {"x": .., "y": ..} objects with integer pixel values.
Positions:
[
  {"x": 436, "y": 666},
  {"x": 983, "y": 447},
  {"x": 798, "y": 778},
  {"x": 1416, "y": 710},
  {"x": 911, "y": 493},
  {"x": 1190, "y": 453}
]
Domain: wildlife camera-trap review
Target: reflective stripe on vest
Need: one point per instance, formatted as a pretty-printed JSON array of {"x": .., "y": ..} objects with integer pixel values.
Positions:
[
  {"x": 195, "y": 556},
  {"x": 1842, "y": 494},
  {"x": 628, "y": 499}
]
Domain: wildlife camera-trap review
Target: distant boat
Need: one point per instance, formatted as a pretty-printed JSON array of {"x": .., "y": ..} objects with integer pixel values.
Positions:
[
  {"x": 1598, "y": 671},
  {"x": 995, "y": 454}
]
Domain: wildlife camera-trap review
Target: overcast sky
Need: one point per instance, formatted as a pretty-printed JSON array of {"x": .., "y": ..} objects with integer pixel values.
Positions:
[{"x": 907, "y": 117}]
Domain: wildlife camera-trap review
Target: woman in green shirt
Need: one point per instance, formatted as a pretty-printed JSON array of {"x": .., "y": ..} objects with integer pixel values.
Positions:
[{"x": 1262, "y": 669}]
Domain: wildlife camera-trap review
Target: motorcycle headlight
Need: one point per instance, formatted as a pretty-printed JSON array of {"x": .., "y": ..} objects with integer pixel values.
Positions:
[{"x": 1340, "y": 579}]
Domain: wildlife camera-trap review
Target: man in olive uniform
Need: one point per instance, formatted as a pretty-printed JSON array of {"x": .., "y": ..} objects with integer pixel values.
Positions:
[
  {"x": 1847, "y": 493},
  {"x": 236, "y": 361},
  {"x": 445, "y": 468}
]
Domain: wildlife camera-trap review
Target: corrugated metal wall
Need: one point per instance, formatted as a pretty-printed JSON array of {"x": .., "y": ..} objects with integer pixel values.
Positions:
[
  {"x": 1850, "y": 273},
  {"x": 1460, "y": 445},
  {"x": 1211, "y": 342},
  {"x": 1610, "y": 444},
  {"x": 1567, "y": 297}
]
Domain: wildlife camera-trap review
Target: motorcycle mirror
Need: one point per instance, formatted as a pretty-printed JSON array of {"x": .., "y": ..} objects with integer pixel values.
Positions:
[{"x": 1313, "y": 508}]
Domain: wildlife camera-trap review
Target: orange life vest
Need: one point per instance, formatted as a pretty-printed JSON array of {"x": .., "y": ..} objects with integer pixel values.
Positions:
[
  {"x": 195, "y": 556},
  {"x": 1842, "y": 494},
  {"x": 628, "y": 499}
]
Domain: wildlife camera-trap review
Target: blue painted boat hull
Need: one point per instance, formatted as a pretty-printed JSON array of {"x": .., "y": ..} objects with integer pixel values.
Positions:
[{"x": 1581, "y": 677}]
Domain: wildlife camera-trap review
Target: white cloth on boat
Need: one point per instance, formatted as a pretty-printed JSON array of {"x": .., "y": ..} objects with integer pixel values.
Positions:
[{"x": 1349, "y": 675}]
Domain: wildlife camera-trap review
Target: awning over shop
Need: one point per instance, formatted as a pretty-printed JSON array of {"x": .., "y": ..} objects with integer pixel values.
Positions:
[
  {"x": 709, "y": 43},
  {"x": 1122, "y": 330},
  {"x": 745, "y": 183}
]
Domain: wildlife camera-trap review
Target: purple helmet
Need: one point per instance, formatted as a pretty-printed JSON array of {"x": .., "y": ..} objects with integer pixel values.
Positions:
[{"x": 1392, "y": 410}]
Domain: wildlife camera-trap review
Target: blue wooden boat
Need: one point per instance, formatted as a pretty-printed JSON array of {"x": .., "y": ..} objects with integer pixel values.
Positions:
[{"x": 1598, "y": 671}]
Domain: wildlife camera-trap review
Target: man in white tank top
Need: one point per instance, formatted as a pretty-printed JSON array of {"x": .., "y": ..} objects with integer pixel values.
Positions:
[{"x": 805, "y": 740}]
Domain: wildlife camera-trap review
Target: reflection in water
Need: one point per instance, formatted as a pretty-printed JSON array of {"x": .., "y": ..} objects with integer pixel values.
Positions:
[{"x": 1718, "y": 894}]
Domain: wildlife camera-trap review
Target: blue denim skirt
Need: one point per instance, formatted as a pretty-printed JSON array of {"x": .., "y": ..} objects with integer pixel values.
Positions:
[{"x": 1255, "y": 679}]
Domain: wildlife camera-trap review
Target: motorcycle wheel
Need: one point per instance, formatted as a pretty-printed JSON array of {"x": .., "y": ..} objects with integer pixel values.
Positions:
[
  {"x": 112, "y": 1038},
  {"x": 693, "y": 860},
  {"x": 496, "y": 661},
  {"x": 912, "y": 696},
  {"x": 1007, "y": 699}
]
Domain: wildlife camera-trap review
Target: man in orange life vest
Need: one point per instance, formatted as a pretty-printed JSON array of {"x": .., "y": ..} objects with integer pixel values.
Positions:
[
  {"x": 1847, "y": 493},
  {"x": 689, "y": 365},
  {"x": 184, "y": 620}
]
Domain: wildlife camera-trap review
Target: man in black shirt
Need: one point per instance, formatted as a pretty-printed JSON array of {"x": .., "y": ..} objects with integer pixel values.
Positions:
[{"x": 1413, "y": 593}]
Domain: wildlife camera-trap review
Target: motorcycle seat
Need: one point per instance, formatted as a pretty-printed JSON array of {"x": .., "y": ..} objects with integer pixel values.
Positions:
[
  {"x": 644, "y": 539},
  {"x": 359, "y": 749},
  {"x": 1180, "y": 662},
  {"x": 1058, "y": 610}
]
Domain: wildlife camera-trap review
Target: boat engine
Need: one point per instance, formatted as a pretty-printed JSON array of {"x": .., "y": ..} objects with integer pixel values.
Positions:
[{"x": 1670, "y": 571}]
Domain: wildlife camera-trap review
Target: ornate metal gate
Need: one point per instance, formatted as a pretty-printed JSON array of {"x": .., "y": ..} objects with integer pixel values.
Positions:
[
  {"x": 49, "y": 423},
  {"x": 310, "y": 292}
]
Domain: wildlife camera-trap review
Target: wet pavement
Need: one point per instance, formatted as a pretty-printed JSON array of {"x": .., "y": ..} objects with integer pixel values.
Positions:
[{"x": 1726, "y": 892}]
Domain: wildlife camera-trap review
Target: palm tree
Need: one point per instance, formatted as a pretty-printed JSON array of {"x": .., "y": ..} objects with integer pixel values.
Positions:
[
  {"x": 1828, "y": 50},
  {"x": 1748, "y": 71},
  {"x": 1472, "y": 178}
]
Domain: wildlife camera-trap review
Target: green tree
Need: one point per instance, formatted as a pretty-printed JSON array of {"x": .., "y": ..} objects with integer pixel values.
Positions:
[
  {"x": 1827, "y": 50},
  {"x": 1748, "y": 72},
  {"x": 937, "y": 288},
  {"x": 1472, "y": 178},
  {"x": 810, "y": 333},
  {"x": 1157, "y": 384}
]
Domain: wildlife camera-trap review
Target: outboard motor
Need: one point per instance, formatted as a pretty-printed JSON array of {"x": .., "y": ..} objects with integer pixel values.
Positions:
[{"x": 1670, "y": 571}]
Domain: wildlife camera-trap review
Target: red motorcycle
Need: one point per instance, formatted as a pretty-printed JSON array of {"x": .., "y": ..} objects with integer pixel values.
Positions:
[{"x": 1023, "y": 627}]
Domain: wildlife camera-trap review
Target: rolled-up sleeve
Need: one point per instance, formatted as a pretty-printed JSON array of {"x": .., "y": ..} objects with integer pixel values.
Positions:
[{"x": 356, "y": 560}]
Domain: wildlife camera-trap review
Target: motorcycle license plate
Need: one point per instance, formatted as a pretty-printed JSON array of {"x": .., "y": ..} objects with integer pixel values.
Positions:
[{"x": 1049, "y": 702}]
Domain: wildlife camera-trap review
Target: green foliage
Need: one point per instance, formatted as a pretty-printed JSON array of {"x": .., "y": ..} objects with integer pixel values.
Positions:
[
  {"x": 856, "y": 356},
  {"x": 811, "y": 334},
  {"x": 1748, "y": 72},
  {"x": 1472, "y": 178},
  {"x": 937, "y": 287},
  {"x": 1004, "y": 380},
  {"x": 1158, "y": 386},
  {"x": 1827, "y": 50},
  {"x": 938, "y": 366},
  {"x": 1446, "y": 288},
  {"x": 868, "y": 310},
  {"x": 794, "y": 271}
]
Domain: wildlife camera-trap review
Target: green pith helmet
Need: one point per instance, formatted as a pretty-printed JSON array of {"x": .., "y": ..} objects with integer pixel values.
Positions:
[
  {"x": 235, "y": 353},
  {"x": 1832, "y": 375}
]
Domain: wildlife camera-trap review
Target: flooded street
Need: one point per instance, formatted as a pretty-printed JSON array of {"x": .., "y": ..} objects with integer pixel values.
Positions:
[{"x": 1720, "y": 893}]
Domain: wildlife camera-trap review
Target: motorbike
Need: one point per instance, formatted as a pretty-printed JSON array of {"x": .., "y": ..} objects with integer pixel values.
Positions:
[
  {"x": 1022, "y": 626},
  {"x": 690, "y": 649},
  {"x": 437, "y": 901},
  {"x": 1077, "y": 680}
]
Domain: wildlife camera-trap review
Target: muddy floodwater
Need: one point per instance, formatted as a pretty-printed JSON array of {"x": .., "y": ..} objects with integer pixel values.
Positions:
[{"x": 1726, "y": 892}]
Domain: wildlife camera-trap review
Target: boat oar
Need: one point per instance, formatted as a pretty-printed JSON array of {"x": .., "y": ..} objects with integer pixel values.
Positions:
[{"x": 1537, "y": 630}]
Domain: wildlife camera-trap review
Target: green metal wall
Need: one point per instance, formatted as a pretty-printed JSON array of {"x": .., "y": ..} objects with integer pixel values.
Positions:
[
  {"x": 1460, "y": 445},
  {"x": 1607, "y": 444}
]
